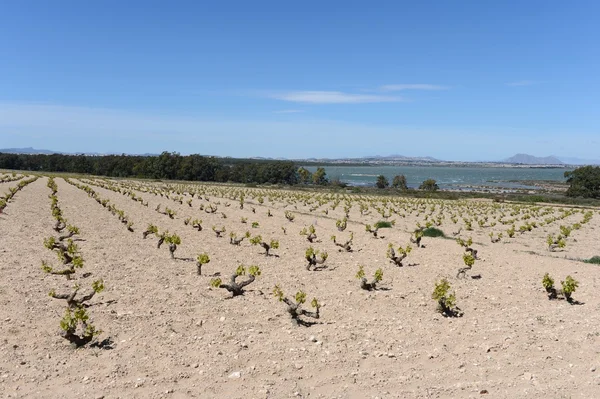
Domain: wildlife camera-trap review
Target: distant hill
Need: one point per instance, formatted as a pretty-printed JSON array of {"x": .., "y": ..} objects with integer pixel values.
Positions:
[
  {"x": 391, "y": 159},
  {"x": 33, "y": 151},
  {"x": 394, "y": 159},
  {"x": 27, "y": 150},
  {"x": 397, "y": 157},
  {"x": 527, "y": 159},
  {"x": 579, "y": 161}
]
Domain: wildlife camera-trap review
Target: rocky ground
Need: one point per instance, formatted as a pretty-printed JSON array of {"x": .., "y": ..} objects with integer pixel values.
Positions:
[{"x": 176, "y": 337}]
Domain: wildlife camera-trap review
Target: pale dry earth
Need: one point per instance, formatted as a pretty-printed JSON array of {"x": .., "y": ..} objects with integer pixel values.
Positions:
[{"x": 175, "y": 337}]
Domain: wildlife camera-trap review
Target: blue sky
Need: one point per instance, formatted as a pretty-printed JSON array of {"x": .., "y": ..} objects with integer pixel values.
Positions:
[{"x": 460, "y": 80}]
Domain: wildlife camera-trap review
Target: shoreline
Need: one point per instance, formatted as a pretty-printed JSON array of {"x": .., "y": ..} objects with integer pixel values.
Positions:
[{"x": 442, "y": 164}]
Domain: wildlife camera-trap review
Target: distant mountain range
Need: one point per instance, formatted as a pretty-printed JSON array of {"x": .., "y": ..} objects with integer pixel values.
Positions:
[
  {"x": 402, "y": 158},
  {"x": 580, "y": 161},
  {"x": 27, "y": 150},
  {"x": 519, "y": 159},
  {"x": 34, "y": 151},
  {"x": 374, "y": 158},
  {"x": 377, "y": 159},
  {"x": 527, "y": 159}
]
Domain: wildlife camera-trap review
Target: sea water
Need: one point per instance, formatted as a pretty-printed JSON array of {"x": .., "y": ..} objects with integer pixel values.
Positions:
[{"x": 447, "y": 177}]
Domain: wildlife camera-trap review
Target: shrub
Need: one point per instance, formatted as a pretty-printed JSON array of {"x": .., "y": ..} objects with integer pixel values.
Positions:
[
  {"x": 234, "y": 287},
  {"x": 400, "y": 182},
  {"x": 446, "y": 302},
  {"x": 377, "y": 277},
  {"x": 274, "y": 244},
  {"x": 311, "y": 257},
  {"x": 384, "y": 224},
  {"x": 584, "y": 182},
  {"x": 173, "y": 240},
  {"x": 161, "y": 238},
  {"x": 201, "y": 260},
  {"x": 565, "y": 231},
  {"x": 469, "y": 261},
  {"x": 433, "y": 232},
  {"x": 547, "y": 281},
  {"x": 346, "y": 245},
  {"x": 382, "y": 182},
  {"x": 337, "y": 182},
  {"x": 211, "y": 209},
  {"x": 72, "y": 300},
  {"x": 397, "y": 259},
  {"x": 304, "y": 175},
  {"x": 68, "y": 254},
  {"x": 170, "y": 213},
  {"x": 151, "y": 229},
  {"x": 595, "y": 260},
  {"x": 233, "y": 240},
  {"x": 72, "y": 231},
  {"x": 548, "y": 284},
  {"x": 75, "y": 324},
  {"x": 511, "y": 231},
  {"x": 341, "y": 224},
  {"x": 197, "y": 224},
  {"x": 417, "y": 236},
  {"x": 371, "y": 230},
  {"x": 467, "y": 246},
  {"x": 218, "y": 231},
  {"x": 497, "y": 239},
  {"x": 429, "y": 185},
  {"x": 310, "y": 234},
  {"x": 568, "y": 287},
  {"x": 289, "y": 216},
  {"x": 294, "y": 309},
  {"x": 320, "y": 177},
  {"x": 554, "y": 243}
]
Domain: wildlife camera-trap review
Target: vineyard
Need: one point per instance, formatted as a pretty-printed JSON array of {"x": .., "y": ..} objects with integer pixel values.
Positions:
[{"x": 131, "y": 288}]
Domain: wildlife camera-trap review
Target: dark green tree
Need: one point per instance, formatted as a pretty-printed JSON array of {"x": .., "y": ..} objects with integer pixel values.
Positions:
[
  {"x": 171, "y": 166},
  {"x": 382, "y": 182},
  {"x": 320, "y": 177},
  {"x": 584, "y": 182},
  {"x": 400, "y": 182},
  {"x": 305, "y": 175},
  {"x": 429, "y": 185}
]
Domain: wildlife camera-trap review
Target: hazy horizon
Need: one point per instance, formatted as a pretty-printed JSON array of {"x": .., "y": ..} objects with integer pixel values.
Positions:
[{"x": 479, "y": 82}]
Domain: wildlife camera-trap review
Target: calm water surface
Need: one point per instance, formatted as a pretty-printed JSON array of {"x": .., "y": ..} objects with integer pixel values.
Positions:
[{"x": 447, "y": 177}]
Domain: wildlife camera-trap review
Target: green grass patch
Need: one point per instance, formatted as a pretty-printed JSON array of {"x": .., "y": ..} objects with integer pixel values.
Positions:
[
  {"x": 595, "y": 260},
  {"x": 433, "y": 232},
  {"x": 382, "y": 224}
]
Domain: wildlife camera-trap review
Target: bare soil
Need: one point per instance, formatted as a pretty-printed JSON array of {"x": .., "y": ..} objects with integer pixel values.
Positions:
[{"x": 176, "y": 337}]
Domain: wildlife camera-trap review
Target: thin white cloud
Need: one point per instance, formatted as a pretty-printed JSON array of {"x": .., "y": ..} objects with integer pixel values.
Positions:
[
  {"x": 414, "y": 86},
  {"x": 333, "y": 97},
  {"x": 289, "y": 111},
  {"x": 522, "y": 83}
]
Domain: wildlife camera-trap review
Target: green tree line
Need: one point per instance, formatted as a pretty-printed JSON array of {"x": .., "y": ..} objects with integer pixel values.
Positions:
[{"x": 168, "y": 166}]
